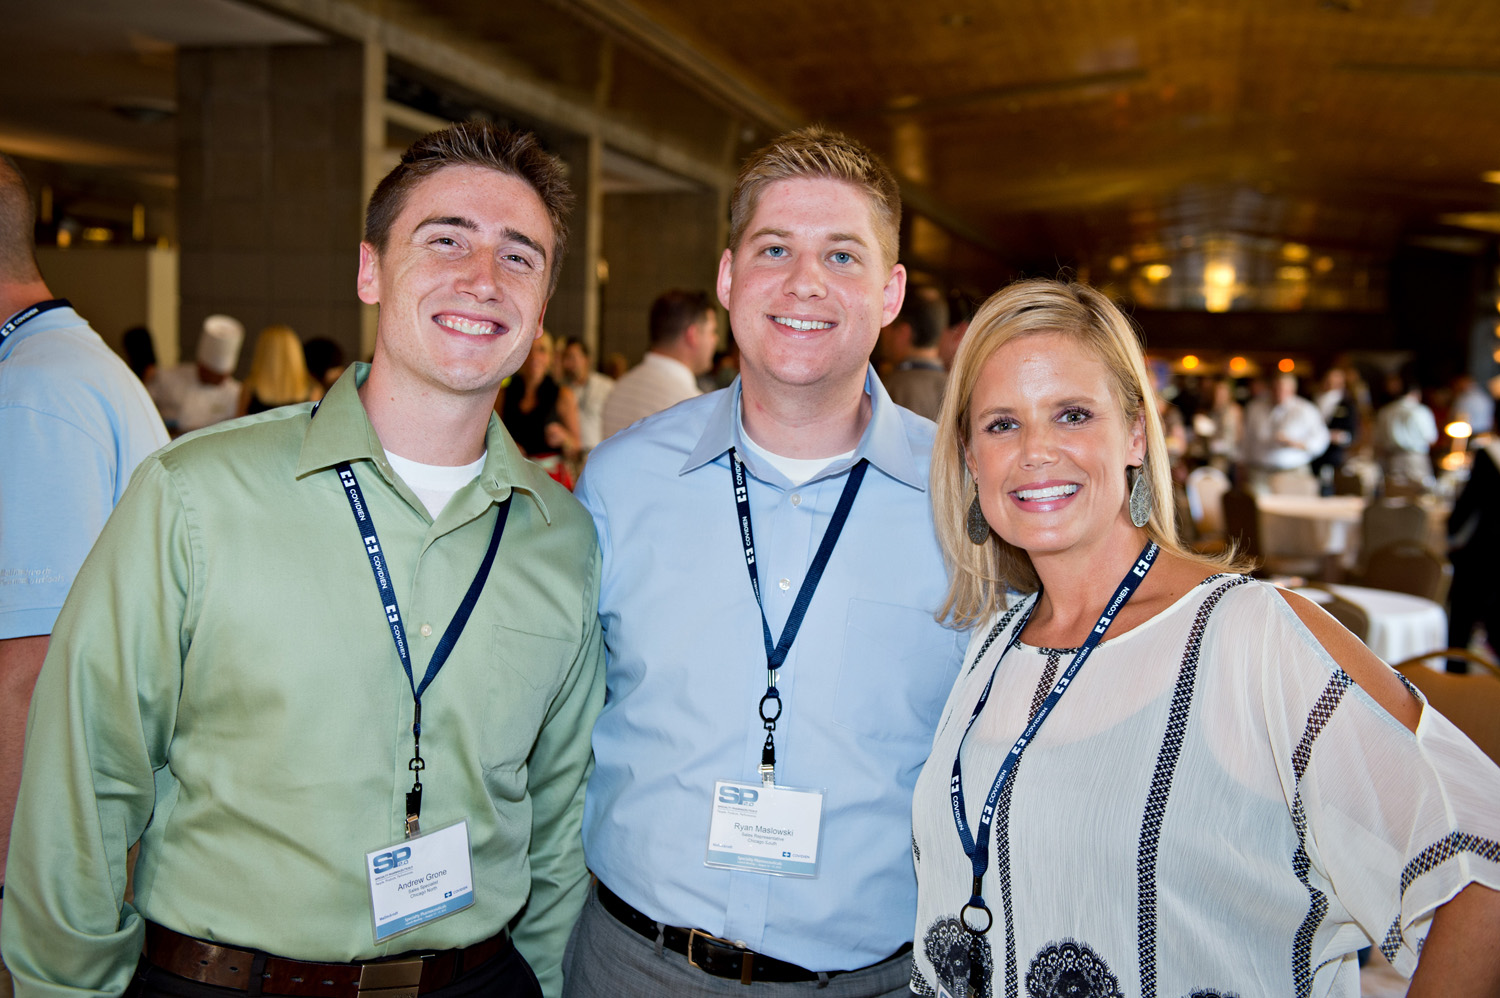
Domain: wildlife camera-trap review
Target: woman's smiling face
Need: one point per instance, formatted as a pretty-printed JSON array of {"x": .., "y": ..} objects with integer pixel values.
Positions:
[{"x": 1049, "y": 445}]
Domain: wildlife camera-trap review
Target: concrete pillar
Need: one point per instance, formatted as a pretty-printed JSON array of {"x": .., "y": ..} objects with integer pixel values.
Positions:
[
  {"x": 271, "y": 162},
  {"x": 653, "y": 242},
  {"x": 574, "y": 309}
]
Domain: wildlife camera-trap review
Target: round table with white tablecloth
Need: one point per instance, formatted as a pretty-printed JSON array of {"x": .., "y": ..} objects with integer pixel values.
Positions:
[
  {"x": 1401, "y": 625},
  {"x": 1326, "y": 526},
  {"x": 1329, "y": 527}
]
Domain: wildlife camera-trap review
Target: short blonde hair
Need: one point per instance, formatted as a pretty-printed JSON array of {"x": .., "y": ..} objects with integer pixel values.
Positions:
[
  {"x": 819, "y": 153},
  {"x": 980, "y": 574},
  {"x": 278, "y": 372}
]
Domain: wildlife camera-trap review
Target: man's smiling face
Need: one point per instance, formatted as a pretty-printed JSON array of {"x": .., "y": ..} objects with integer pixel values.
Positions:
[
  {"x": 462, "y": 282},
  {"x": 808, "y": 288}
]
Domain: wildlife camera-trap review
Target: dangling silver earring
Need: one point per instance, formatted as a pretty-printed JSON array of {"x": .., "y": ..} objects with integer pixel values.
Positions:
[
  {"x": 1141, "y": 498},
  {"x": 979, "y": 527}
]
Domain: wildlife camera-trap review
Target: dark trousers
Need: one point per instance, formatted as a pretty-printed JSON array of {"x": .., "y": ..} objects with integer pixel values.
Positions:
[
  {"x": 1472, "y": 599},
  {"x": 506, "y": 976}
]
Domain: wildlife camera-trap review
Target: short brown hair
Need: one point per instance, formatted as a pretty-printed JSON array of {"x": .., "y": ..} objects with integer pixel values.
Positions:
[
  {"x": 481, "y": 144},
  {"x": 816, "y": 152},
  {"x": 979, "y": 574},
  {"x": 674, "y": 311}
]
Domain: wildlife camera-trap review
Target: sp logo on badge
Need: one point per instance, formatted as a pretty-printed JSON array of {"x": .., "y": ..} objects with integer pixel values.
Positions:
[
  {"x": 743, "y": 796},
  {"x": 386, "y": 861}
]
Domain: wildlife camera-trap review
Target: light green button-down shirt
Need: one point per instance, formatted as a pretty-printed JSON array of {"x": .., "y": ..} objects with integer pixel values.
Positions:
[{"x": 223, "y": 686}]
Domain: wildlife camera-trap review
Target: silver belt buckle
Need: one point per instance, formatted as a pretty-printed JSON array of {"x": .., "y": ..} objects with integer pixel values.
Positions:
[{"x": 393, "y": 979}]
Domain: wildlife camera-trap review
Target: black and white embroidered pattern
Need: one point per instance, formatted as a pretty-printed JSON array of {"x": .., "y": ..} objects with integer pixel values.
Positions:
[
  {"x": 916, "y": 850},
  {"x": 1430, "y": 859},
  {"x": 1002, "y": 827},
  {"x": 1001, "y": 626},
  {"x": 1411, "y": 688},
  {"x": 1070, "y": 970},
  {"x": 1327, "y": 702},
  {"x": 1213, "y": 994},
  {"x": 1161, "y": 787},
  {"x": 961, "y": 959}
]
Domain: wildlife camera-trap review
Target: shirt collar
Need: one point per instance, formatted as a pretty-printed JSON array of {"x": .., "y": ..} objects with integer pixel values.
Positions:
[
  {"x": 884, "y": 444},
  {"x": 48, "y": 319},
  {"x": 342, "y": 432}
]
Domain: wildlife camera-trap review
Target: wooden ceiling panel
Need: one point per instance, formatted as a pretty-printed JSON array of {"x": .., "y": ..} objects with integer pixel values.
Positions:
[{"x": 1360, "y": 118}]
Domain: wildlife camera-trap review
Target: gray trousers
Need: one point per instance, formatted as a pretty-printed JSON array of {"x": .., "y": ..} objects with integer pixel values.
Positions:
[{"x": 604, "y": 959}]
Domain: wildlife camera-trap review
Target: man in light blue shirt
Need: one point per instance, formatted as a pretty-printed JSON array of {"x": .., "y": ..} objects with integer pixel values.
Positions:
[
  {"x": 74, "y": 423},
  {"x": 683, "y": 756}
]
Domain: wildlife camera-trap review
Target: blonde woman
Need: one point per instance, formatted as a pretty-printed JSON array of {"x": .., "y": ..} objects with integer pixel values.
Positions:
[
  {"x": 278, "y": 373},
  {"x": 1153, "y": 776}
]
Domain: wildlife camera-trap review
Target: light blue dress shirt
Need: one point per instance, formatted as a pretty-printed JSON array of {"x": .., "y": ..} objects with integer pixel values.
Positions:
[
  {"x": 862, "y": 688},
  {"x": 74, "y": 423}
]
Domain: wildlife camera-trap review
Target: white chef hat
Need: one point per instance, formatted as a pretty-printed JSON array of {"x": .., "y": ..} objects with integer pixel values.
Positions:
[{"x": 219, "y": 346}]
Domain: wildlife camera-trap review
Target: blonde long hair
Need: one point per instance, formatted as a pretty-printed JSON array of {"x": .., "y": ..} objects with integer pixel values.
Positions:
[
  {"x": 278, "y": 372},
  {"x": 979, "y": 574}
]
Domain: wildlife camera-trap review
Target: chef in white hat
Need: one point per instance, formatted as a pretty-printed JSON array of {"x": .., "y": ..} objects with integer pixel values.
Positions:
[{"x": 198, "y": 394}]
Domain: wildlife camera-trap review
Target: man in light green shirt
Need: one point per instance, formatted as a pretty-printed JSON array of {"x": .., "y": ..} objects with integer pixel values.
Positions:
[{"x": 223, "y": 683}]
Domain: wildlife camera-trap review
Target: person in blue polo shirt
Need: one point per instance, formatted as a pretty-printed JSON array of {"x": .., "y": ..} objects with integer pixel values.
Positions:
[{"x": 74, "y": 423}]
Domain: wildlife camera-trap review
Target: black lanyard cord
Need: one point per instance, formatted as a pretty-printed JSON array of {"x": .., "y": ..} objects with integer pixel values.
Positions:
[
  {"x": 776, "y": 652},
  {"x": 381, "y": 570},
  {"x": 31, "y": 312},
  {"x": 976, "y": 846}
]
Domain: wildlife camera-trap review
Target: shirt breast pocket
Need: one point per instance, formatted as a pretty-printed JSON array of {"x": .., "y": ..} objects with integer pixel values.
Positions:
[
  {"x": 895, "y": 673},
  {"x": 532, "y": 667}
]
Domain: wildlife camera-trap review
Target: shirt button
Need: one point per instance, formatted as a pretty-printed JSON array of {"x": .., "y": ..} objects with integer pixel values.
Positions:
[
  {"x": 426, "y": 630},
  {"x": 785, "y": 584},
  {"x": 796, "y": 499}
]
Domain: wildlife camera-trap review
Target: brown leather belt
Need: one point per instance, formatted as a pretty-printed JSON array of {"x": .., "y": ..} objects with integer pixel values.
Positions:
[
  {"x": 712, "y": 955},
  {"x": 396, "y": 977}
]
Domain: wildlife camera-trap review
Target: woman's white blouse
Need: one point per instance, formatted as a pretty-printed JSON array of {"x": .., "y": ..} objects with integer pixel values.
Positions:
[{"x": 1213, "y": 808}]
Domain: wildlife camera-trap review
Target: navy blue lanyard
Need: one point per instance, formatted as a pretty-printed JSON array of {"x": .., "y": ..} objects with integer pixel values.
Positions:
[
  {"x": 381, "y": 570},
  {"x": 776, "y": 652},
  {"x": 31, "y": 312},
  {"x": 977, "y": 847}
]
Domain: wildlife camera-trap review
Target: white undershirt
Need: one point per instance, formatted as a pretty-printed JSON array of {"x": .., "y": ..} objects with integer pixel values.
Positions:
[
  {"x": 434, "y": 484},
  {"x": 796, "y": 469}
]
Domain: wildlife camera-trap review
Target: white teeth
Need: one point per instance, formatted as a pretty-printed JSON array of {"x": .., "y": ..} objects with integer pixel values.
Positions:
[
  {"x": 466, "y": 327},
  {"x": 1051, "y": 492},
  {"x": 801, "y": 325}
]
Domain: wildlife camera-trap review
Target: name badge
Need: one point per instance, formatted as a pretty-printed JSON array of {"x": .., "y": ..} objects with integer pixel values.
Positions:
[
  {"x": 419, "y": 880},
  {"x": 765, "y": 829}
]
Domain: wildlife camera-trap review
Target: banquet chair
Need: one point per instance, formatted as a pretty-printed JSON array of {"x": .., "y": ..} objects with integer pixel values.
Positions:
[
  {"x": 1404, "y": 489},
  {"x": 1205, "y": 495},
  {"x": 1471, "y": 700},
  {"x": 1406, "y": 567},
  {"x": 1297, "y": 482},
  {"x": 1242, "y": 528},
  {"x": 1347, "y": 482},
  {"x": 1387, "y": 522}
]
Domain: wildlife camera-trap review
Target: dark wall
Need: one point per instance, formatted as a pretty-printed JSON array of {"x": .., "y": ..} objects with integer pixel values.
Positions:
[
  {"x": 1433, "y": 299},
  {"x": 1321, "y": 335}
]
